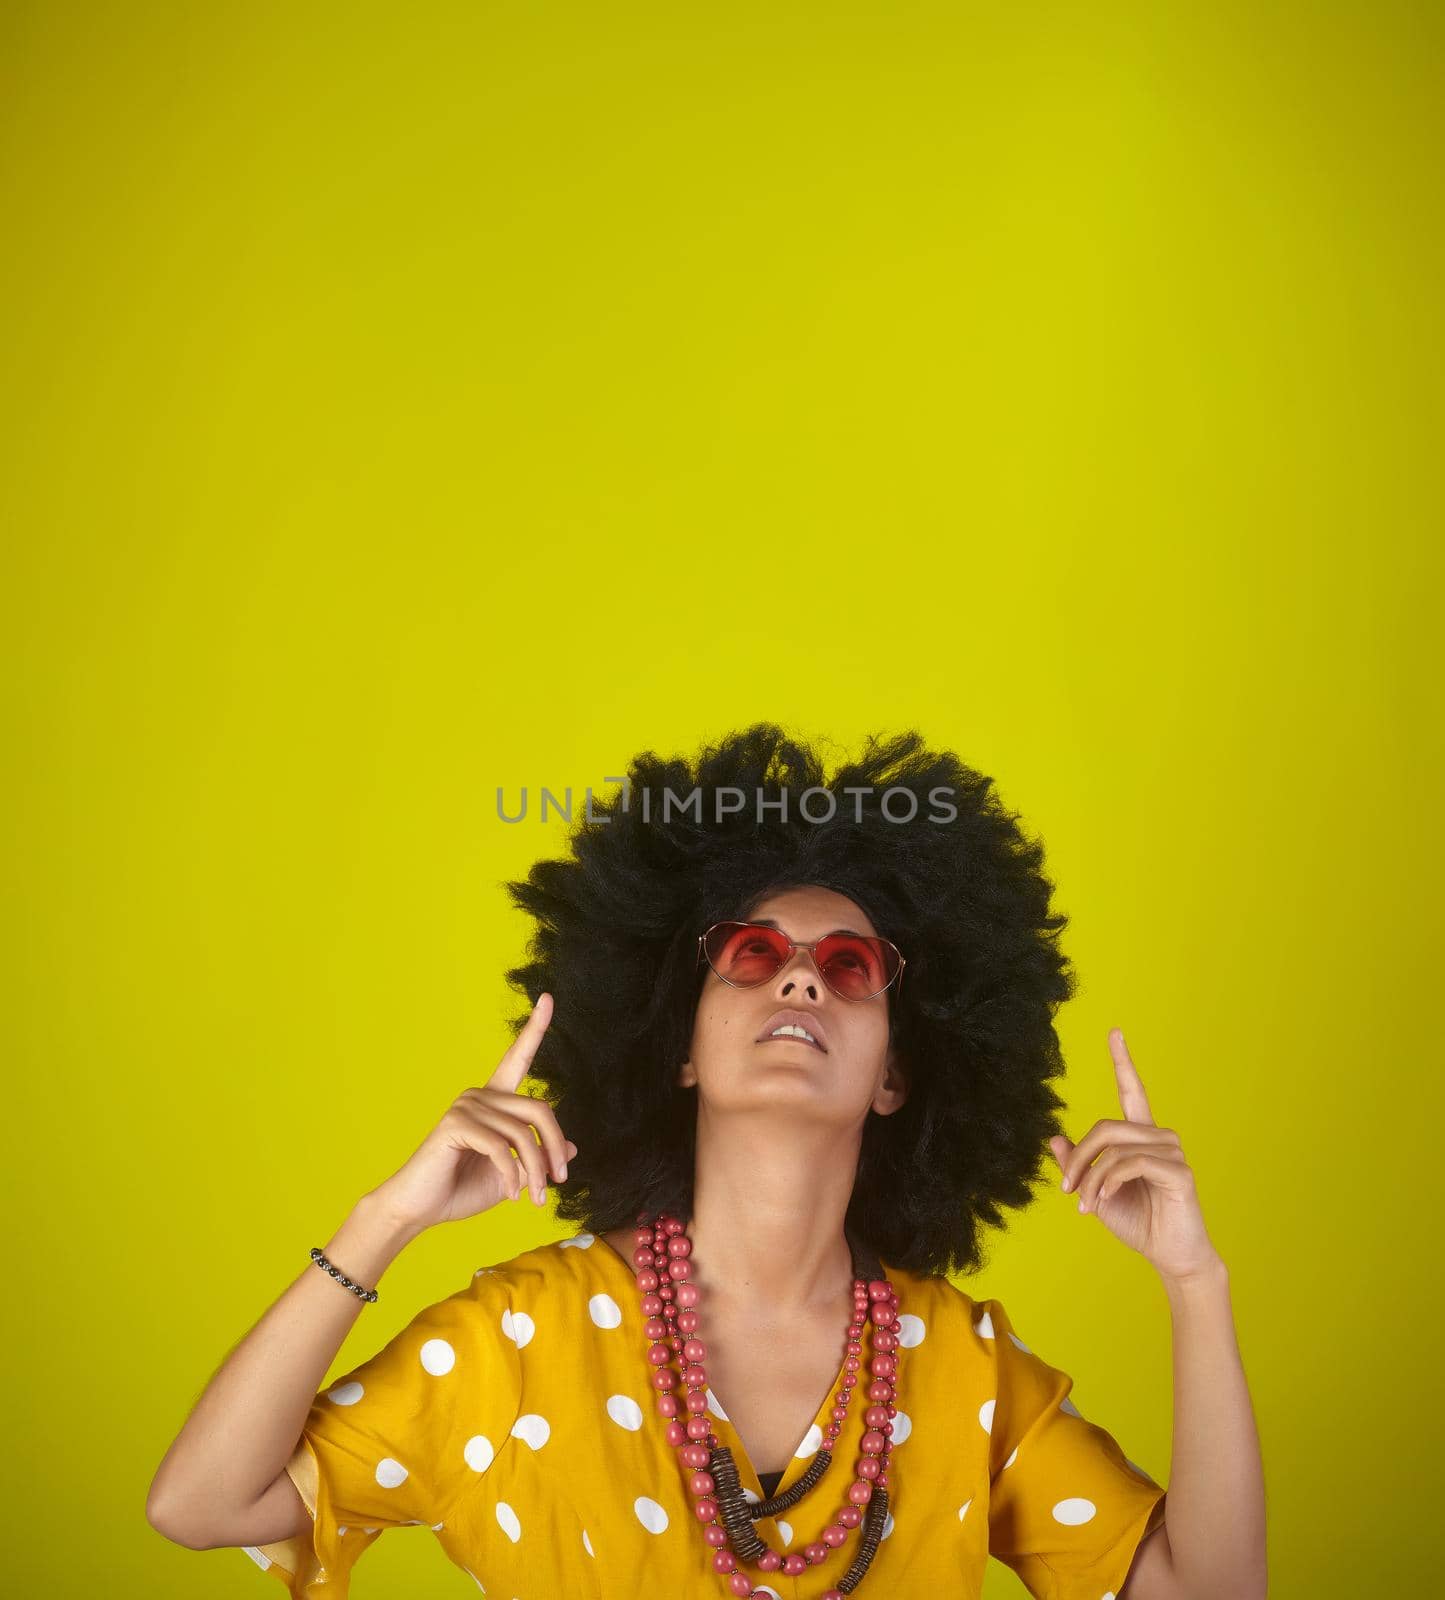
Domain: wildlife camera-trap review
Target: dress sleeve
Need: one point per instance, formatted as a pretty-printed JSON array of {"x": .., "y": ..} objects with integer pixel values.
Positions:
[
  {"x": 1067, "y": 1508},
  {"x": 396, "y": 1441}
]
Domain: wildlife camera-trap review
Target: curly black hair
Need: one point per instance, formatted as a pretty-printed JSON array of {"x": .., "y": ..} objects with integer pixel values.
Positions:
[{"x": 962, "y": 896}]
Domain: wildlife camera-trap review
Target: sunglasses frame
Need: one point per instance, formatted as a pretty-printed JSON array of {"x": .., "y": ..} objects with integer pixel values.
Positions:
[{"x": 793, "y": 948}]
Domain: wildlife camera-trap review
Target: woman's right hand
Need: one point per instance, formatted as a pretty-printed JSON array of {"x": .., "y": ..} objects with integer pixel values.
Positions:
[{"x": 465, "y": 1165}]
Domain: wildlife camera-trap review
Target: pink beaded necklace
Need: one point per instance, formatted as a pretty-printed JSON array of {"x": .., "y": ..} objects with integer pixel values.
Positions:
[{"x": 661, "y": 1262}]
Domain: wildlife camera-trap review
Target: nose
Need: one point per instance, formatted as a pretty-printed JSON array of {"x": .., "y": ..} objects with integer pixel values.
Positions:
[{"x": 801, "y": 972}]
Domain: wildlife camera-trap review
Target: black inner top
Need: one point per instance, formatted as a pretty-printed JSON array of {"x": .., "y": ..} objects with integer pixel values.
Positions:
[{"x": 770, "y": 1482}]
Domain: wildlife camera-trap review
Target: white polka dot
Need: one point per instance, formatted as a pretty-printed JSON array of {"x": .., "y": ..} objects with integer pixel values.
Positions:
[
  {"x": 1072, "y": 1513},
  {"x": 1013, "y": 1456},
  {"x": 963, "y": 1509},
  {"x": 438, "y": 1357},
  {"x": 624, "y": 1411},
  {"x": 390, "y": 1474},
  {"x": 261, "y": 1559},
  {"x": 812, "y": 1443},
  {"x": 475, "y": 1579},
  {"x": 437, "y": 1527},
  {"x": 508, "y": 1522},
  {"x": 751, "y": 1498},
  {"x": 341, "y": 1533},
  {"x": 767, "y": 1589},
  {"x": 985, "y": 1415},
  {"x": 587, "y": 1545},
  {"x": 371, "y": 1530},
  {"x": 786, "y": 1529},
  {"x": 887, "y": 1526},
  {"x": 478, "y": 1453},
  {"x": 902, "y": 1427},
  {"x": 346, "y": 1394},
  {"x": 578, "y": 1241},
  {"x": 911, "y": 1330},
  {"x": 650, "y": 1514},
  {"x": 532, "y": 1428},
  {"x": 604, "y": 1311},
  {"x": 1068, "y": 1405},
  {"x": 984, "y": 1326},
  {"x": 518, "y": 1327},
  {"x": 1110, "y": 1595},
  {"x": 1019, "y": 1342},
  {"x": 715, "y": 1405}
]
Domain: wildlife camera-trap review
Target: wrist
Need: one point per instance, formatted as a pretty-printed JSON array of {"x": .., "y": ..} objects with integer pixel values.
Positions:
[
  {"x": 374, "y": 1232},
  {"x": 1207, "y": 1281}
]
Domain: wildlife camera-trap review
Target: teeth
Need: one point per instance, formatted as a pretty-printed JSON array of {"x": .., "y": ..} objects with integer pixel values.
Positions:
[{"x": 791, "y": 1030}]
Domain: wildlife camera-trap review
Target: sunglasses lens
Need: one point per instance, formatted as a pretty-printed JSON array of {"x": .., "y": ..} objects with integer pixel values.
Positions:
[
  {"x": 854, "y": 967},
  {"x": 745, "y": 953}
]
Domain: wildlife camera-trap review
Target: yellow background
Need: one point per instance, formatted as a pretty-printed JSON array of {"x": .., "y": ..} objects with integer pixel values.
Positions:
[{"x": 403, "y": 403}]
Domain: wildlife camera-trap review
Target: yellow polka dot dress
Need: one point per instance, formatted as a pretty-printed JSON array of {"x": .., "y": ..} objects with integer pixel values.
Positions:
[{"x": 517, "y": 1422}]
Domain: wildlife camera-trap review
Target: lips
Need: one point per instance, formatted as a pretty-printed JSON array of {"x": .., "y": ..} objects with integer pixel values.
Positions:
[{"x": 798, "y": 1019}]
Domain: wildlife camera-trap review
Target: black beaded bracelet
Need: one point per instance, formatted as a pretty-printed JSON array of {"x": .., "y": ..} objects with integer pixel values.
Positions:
[{"x": 369, "y": 1295}]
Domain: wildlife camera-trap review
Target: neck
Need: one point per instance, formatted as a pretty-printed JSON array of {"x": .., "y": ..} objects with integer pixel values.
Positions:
[{"x": 767, "y": 1224}]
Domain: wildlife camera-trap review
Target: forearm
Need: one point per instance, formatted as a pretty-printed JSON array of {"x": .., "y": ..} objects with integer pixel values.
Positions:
[
  {"x": 246, "y": 1423},
  {"x": 1214, "y": 1512}
]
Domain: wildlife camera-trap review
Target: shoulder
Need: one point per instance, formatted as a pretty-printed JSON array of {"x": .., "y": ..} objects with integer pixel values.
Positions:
[
  {"x": 555, "y": 1306},
  {"x": 975, "y": 1329},
  {"x": 562, "y": 1269},
  {"x": 939, "y": 1299},
  {"x": 498, "y": 1310}
]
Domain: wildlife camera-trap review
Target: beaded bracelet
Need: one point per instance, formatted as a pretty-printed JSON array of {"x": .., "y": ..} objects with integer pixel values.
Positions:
[{"x": 369, "y": 1295}]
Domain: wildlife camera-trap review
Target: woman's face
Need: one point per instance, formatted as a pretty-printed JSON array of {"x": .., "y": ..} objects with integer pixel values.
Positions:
[{"x": 851, "y": 1069}]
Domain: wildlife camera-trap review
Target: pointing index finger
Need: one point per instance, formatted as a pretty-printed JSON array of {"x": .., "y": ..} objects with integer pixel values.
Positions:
[
  {"x": 518, "y": 1056},
  {"x": 1132, "y": 1098}
]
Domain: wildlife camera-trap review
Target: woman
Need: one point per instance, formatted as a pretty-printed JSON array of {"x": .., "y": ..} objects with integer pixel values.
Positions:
[{"x": 796, "y": 1036}]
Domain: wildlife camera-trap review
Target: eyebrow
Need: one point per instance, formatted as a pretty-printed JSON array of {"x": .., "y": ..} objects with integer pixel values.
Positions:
[{"x": 769, "y": 922}]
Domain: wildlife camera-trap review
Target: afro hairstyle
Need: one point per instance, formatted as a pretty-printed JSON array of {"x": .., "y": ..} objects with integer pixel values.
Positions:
[{"x": 615, "y": 943}]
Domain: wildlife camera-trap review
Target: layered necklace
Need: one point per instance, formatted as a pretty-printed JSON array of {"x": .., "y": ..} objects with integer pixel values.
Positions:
[{"x": 662, "y": 1266}]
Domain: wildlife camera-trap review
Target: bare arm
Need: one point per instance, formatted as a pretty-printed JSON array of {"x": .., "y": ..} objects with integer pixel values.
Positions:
[
  {"x": 1213, "y": 1539},
  {"x": 223, "y": 1481},
  {"x": 1133, "y": 1175}
]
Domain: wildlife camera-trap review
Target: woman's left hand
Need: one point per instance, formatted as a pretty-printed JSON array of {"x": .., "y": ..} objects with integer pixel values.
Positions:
[{"x": 1132, "y": 1175}]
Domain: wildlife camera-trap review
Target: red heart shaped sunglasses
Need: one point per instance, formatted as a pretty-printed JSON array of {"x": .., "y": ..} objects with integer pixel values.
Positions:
[{"x": 855, "y": 967}]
